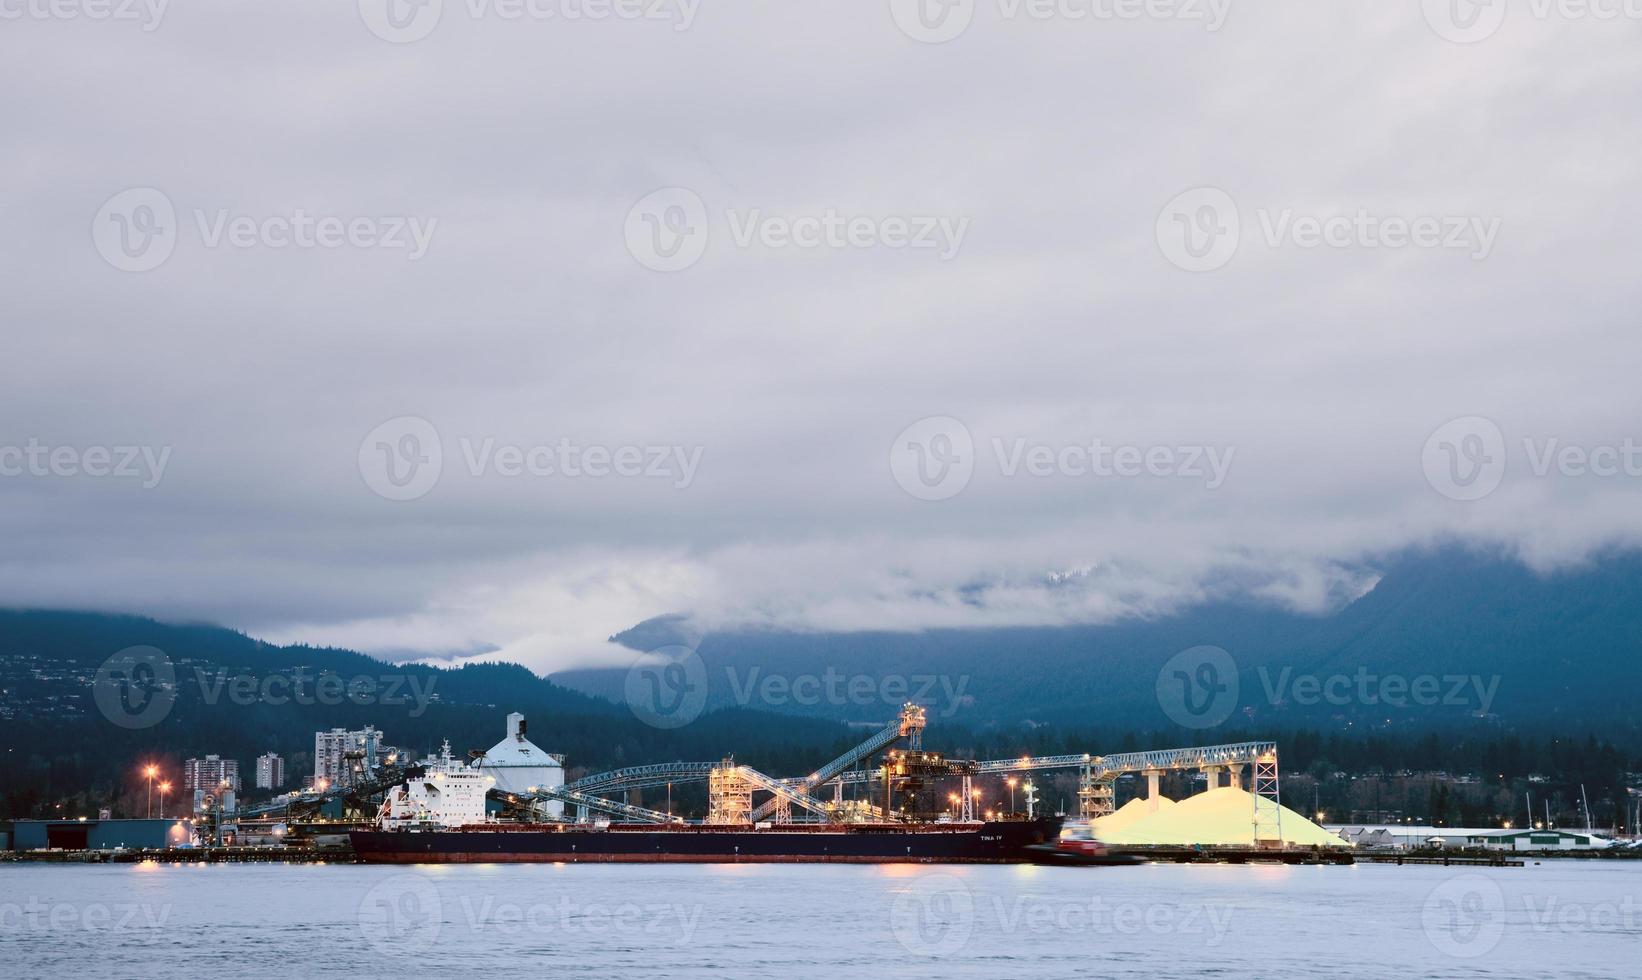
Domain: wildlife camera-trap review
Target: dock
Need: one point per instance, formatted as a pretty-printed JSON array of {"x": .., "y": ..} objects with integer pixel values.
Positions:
[
  {"x": 1447, "y": 860},
  {"x": 1174, "y": 854}
]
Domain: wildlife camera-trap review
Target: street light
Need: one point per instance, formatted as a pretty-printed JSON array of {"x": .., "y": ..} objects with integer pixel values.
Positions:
[
  {"x": 1011, "y": 782},
  {"x": 151, "y": 772},
  {"x": 164, "y": 789}
]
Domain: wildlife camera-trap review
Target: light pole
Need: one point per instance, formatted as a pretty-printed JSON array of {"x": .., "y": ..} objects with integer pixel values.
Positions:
[
  {"x": 164, "y": 789},
  {"x": 1011, "y": 782},
  {"x": 151, "y": 772}
]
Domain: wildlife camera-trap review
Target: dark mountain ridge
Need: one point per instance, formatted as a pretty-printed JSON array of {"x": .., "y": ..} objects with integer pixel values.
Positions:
[{"x": 1487, "y": 641}]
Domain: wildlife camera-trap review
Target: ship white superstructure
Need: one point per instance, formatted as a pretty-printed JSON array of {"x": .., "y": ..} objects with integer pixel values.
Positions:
[{"x": 447, "y": 794}]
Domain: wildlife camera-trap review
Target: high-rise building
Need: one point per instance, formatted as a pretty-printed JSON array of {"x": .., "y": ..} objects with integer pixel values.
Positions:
[
  {"x": 343, "y": 758},
  {"x": 270, "y": 771},
  {"x": 210, "y": 774}
]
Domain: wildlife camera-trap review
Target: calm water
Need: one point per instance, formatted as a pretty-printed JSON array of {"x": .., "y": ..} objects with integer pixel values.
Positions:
[{"x": 1557, "y": 919}]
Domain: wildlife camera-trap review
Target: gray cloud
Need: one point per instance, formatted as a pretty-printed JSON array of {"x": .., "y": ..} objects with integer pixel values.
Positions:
[{"x": 1059, "y": 321}]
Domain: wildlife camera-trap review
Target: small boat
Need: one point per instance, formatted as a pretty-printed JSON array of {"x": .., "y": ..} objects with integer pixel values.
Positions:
[{"x": 1077, "y": 845}]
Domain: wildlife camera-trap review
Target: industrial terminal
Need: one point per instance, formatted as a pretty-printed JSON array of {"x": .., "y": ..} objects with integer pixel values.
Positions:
[{"x": 887, "y": 798}]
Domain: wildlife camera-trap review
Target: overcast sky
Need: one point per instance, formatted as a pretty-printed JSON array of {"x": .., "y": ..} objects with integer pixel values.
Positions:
[{"x": 1038, "y": 233}]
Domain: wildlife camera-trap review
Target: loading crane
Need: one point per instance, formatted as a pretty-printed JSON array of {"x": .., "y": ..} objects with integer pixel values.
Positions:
[{"x": 909, "y": 725}]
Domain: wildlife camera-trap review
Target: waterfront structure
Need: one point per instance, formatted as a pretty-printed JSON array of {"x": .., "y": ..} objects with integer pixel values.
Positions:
[
  {"x": 1537, "y": 840},
  {"x": 518, "y": 766},
  {"x": 210, "y": 774},
  {"x": 1509, "y": 839},
  {"x": 99, "y": 835},
  {"x": 344, "y": 758},
  {"x": 270, "y": 771}
]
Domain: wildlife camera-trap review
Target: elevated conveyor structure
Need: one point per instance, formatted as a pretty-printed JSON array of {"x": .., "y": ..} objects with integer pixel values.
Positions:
[
  {"x": 358, "y": 801},
  {"x": 587, "y": 801},
  {"x": 1100, "y": 771},
  {"x": 1095, "y": 791},
  {"x": 641, "y": 777},
  {"x": 910, "y": 726}
]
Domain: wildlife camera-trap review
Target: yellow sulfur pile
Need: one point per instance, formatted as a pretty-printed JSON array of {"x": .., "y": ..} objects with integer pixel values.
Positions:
[{"x": 1223, "y": 816}]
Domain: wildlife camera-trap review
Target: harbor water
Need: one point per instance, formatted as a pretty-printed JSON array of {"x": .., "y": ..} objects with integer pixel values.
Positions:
[{"x": 1554, "y": 918}]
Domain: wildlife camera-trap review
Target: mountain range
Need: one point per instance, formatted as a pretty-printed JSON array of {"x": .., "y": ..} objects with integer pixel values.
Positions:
[
  {"x": 1445, "y": 638},
  {"x": 1446, "y": 641}
]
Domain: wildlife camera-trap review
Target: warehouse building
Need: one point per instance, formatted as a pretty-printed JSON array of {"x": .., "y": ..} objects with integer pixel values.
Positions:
[
  {"x": 1537, "y": 840},
  {"x": 99, "y": 835},
  {"x": 1427, "y": 836}
]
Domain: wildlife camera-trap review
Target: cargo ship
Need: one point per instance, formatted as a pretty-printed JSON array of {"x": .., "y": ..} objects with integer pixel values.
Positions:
[
  {"x": 990, "y": 842},
  {"x": 439, "y": 815}
]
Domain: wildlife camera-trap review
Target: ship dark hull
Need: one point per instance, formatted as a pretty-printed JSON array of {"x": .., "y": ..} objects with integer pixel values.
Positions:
[{"x": 989, "y": 843}]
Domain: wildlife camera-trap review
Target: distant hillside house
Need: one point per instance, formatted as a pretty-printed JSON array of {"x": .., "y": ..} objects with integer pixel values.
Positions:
[{"x": 517, "y": 764}]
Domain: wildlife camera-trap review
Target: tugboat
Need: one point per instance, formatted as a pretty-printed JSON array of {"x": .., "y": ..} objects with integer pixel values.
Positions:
[{"x": 1077, "y": 845}]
